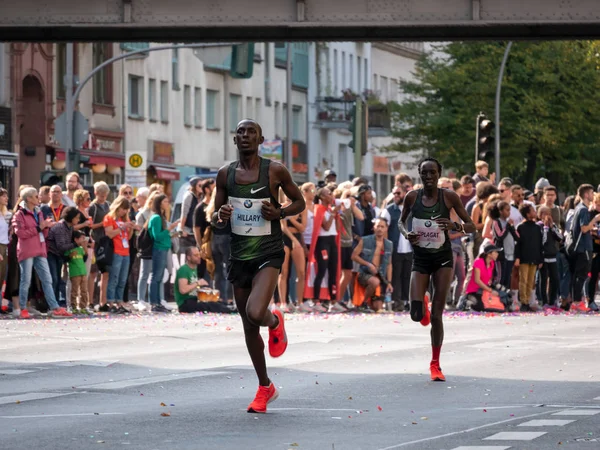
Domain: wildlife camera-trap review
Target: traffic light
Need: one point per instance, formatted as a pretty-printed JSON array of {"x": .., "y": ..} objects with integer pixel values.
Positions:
[
  {"x": 485, "y": 140},
  {"x": 76, "y": 160},
  {"x": 358, "y": 127},
  {"x": 242, "y": 61},
  {"x": 51, "y": 177}
]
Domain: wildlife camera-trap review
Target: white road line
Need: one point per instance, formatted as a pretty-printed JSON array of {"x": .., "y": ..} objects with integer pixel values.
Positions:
[
  {"x": 468, "y": 430},
  {"x": 31, "y": 396},
  {"x": 481, "y": 447},
  {"x": 577, "y": 412},
  {"x": 99, "y": 363},
  {"x": 515, "y": 436},
  {"x": 546, "y": 423},
  {"x": 149, "y": 380},
  {"x": 61, "y": 415},
  {"x": 14, "y": 371},
  {"x": 597, "y": 398}
]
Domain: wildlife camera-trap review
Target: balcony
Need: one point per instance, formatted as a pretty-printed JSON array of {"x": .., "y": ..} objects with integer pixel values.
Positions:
[{"x": 336, "y": 113}]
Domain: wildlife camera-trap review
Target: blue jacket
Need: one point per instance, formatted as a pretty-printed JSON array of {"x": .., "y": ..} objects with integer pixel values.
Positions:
[
  {"x": 393, "y": 230},
  {"x": 368, "y": 250}
]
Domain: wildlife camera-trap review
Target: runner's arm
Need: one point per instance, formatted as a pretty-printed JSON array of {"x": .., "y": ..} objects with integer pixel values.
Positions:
[
  {"x": 409, "y": 201},
  {"x": 468, "y": 225}
]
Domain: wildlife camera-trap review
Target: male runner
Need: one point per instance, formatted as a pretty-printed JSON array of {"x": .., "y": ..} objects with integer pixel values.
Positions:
[
  {"x": 247, "y": 192},
  {"x": 432, "y": 253}
]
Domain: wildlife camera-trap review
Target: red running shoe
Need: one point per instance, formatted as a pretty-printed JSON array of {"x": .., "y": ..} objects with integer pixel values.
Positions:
[
  {"x": 436, "y": 371},
  {"x": 277, "y": 337},
  {"x": 61, "y": 312},
  {"x": 25, "y": 314},
  {"x": 579, "y": 307},
  {"x": 426, "y": 320},
  {"x": 264, "y": 396}
]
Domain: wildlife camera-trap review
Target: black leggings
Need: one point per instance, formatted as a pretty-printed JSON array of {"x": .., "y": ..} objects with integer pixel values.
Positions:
[
  {"x": 594, "y": 280},
  {"x": 549, "y": 275},
  {"x": 326, "y": 254},
  {"x": 581, "y": 263}
]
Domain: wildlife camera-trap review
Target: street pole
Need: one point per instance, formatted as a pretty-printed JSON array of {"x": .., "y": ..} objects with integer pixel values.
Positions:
[
  {"x": 497, "y": 117},
  {"x": 289, "y": 156},
  {"x": 70, "y": 108},
  {"x": 477, "y": 137}
]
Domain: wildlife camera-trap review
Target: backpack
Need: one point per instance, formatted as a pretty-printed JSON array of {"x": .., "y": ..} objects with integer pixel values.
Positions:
[
  {"x": 145, "y": 244},
  {"x": 571, "y": 243}
]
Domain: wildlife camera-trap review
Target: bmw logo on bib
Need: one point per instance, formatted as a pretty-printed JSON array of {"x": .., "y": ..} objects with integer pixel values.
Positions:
[
  {"x": 248, "y": 204},
  {"x": 428, "y": 223}
]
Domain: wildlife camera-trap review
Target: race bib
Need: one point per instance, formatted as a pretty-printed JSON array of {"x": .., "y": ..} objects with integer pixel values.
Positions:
[
  {"x": 430, "y": 234},
  {"x": 246, "y": 219}
]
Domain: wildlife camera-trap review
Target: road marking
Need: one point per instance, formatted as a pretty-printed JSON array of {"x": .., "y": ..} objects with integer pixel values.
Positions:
[
  {"x": 149, "y": 380},
  {"x": 546, "y": 423},
  {"x": 468, "y": 430},
  {"x": 515, "y": 436},
  {"x": 99, "y": 363},
  {"x": 577, "y": 412},
  {"x": 30, "y": 396},
  {"x": 481, "y": 447},
  {"x": 597, "y": 398},
  {"x": 62, "y": 415},
  {"x": 14, "y": 371}
]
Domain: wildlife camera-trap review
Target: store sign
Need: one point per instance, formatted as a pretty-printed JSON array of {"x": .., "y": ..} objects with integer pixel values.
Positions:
[
  {"x": 163, "y": 152},
  {"x": 135, "y": 168},
  {"x": 381, "y": 164},
  {"x": 300, "y": 162}
]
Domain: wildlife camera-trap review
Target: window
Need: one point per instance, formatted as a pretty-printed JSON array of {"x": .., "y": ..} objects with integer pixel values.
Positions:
[
  {"x": 297, "y": 123},
  {"x": 351, "y": 71},
  {"x": 344, "y": 85},
  {"x": 152, "y": 99},
  {"x": 61, "y": 63},
  {"x": 212, "y": 109},
  {"x": 175, "y": 69},
  {"x": 366, "y": 74},
  {"x": 277, "y": 121},
  {"x": 187, "y": 106},
  {"x": 394, "y": 88},
  {"x": 375, "y": 83},
  {"x": 136, "y": 96},
  {"x": 249, "y": 108},
  {"x": 384, "y": 89},
  {"x": 258, "y": 110},
  {"x": 235, "y": 111},
  {"x": 358, "y": 73},
  {"x": 103, "y": 79},
  {"x": 197, "y": 107},
  {"x": 335, "y": 73},
  {"x": 164, "y": 101}
]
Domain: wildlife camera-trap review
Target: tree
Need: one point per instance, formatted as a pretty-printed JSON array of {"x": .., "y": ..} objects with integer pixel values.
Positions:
[{"x": 550, "y": 125}]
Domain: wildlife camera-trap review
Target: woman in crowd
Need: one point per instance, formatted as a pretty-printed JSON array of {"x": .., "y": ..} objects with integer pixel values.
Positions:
[
  {"x": 160, "y": 232},
  {"x": 549, "y": 278},
  {"x": 456, "y": 243},
  {"x": 219, "y": 252},
  {"x": 118, "y": 228},
  {"x": 145, "y": 256},
  {"x": 97, "y": 211},
  {"x": 325, "y": 250},
  {"x": 308, "y": 192},
  {"x": 292, "y": 228},
  {"x": 348, "y": 213},
  {"x": 32, "y": 230},
  {"x": 83, "y": 200},
  {"x": 502, "y": 234},
  {"x": 5, "y": 217},
  {"x": 595, "y": 270},
  {"x": 60, "y": 241},
  {"x": 484, "y": 192},
  {"x": 483, "y": 272}
]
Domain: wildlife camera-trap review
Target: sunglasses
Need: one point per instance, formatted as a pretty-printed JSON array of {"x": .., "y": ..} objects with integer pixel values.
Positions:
[
  {"x": 128, "y": 193},
  {"x": 502, "y": 191},
  {"x": 397, "y": 193}
]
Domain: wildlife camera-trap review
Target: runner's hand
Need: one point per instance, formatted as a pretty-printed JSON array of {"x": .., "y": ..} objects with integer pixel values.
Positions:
[
  {"x": 413, "y": 238},
  {"x": 225, "y": 213},
  {"x": 269, "y": 212},
  {"x": 445, "y": 224}
]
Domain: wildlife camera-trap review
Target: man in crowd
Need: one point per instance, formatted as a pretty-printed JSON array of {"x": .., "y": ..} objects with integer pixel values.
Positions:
[
  {"x": 373, "y": 253},
  {"x": 191, "y": 199},
  {"x": 44, "y": 195},
  {"x": 187, "y": 285},
  {"x": 199, "y": 221},
  {"x": 54, "y": 208},
  {"x": 504, "y": 187},
  {"x": 330, "y": 176},
  {"x": 402, "y": 252},
  {"x": 517, "y": 200},
  {"x": 549, "y": 199},
  {"x": 365, "y": 204},
  {"x": 467, "y": 189},
  {"x": 403, "y": 181},
  {"x": 481, "y": 172},
  {"x": 73, "y": 180}
]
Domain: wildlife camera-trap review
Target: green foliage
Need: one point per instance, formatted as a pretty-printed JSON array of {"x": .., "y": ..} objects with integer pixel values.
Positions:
[{"x": 550, "y": 124}]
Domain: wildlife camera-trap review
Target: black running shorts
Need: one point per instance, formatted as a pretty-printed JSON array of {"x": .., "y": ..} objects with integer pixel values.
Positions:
[
  {"x": 242, "y": 273},
  {"x": 347, "y": 258},
  {"x": 429, "y": 263}
]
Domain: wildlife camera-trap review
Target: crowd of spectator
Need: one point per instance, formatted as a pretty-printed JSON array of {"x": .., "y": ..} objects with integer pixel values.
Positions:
[{"x": 64, "y": 254}]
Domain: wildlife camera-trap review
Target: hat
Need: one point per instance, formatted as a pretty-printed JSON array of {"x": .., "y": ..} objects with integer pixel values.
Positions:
[
  {"x": 527, "y": 193},
  {"x": 491, "y": 248},
  {"x": 363, "y": 188},
  {"x": 329, "y": 173},
  {"x": 541, "y": 184}
]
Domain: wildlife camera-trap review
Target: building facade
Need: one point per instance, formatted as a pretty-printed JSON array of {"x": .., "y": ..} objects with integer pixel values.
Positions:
[{"x": 8, "y": 157}]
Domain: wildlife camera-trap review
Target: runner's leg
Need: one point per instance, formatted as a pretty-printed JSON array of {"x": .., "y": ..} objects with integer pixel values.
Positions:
[{"x": 419, "y": 282}]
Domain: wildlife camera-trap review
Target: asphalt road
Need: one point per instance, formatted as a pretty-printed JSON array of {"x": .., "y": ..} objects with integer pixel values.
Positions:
[{"x": 346, "y": 382}]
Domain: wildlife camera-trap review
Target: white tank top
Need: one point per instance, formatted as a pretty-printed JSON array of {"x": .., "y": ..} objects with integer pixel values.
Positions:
[{"x": 308, "y": 231}]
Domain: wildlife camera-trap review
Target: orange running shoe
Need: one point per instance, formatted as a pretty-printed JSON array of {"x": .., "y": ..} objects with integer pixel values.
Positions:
[
  {"x": 436, "y": 371},
  {"x": 264, "y": 396},
  {"x": 426, "y": 320},
  {"x": 277, "y": 337},
  {"x": 579, "y": 307}
]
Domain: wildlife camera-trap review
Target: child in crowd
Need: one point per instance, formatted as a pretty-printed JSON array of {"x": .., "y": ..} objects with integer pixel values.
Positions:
[
  {"x": 78, "y": 274},
  {"x": 528, "y": 255}
]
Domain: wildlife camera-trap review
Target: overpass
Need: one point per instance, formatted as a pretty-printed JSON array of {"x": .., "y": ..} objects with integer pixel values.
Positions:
[{"x": 288, "y": 20}]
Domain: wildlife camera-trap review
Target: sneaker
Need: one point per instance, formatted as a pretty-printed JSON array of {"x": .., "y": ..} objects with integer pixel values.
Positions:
[
  {"x": 436, "y": 371},
  {"x": 277, "y": 337},
  {"x": 4, "y": 309},
  {"x": 337, "y": 308},
  {"x": 264, "y": 396},
  {"x": 579, "y": 307},
  {"x": 113, "y": 309},
  {"x": 16, "y": 313},
  {"x": 167, "y": 305},
  {"x": 534, "y": 305},
  {"x": 159, "y": 309},
  {"x": 123, "y": 310},
  {"x": 34, "y": 312},
  {"x": 60, "y": 312},
  {"x": 143, "y": 306},
  {"x": 319, "y": 308},
  {"x": 593, "y": 306},
  {"x": 90, "y": 310},
  {"x": 426, "y": 320},
  {"x": 24, "y": 314},
  {"x": 305, "y": 308},
  {"x": 104, "y": 308},
  {"x": 525, "y": 308}
]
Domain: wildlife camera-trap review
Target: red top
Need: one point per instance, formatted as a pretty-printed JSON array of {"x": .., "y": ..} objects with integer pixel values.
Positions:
[
  {"x": 485, "y": 275},
  {"x": 121, "y": 240}
]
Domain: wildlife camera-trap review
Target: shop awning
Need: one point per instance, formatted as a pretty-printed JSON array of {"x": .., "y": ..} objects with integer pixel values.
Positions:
[
  {"x": 8, "y": 159},
  {"x": 166, "y": 173},
  {"x": 97, "y": 158}
]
